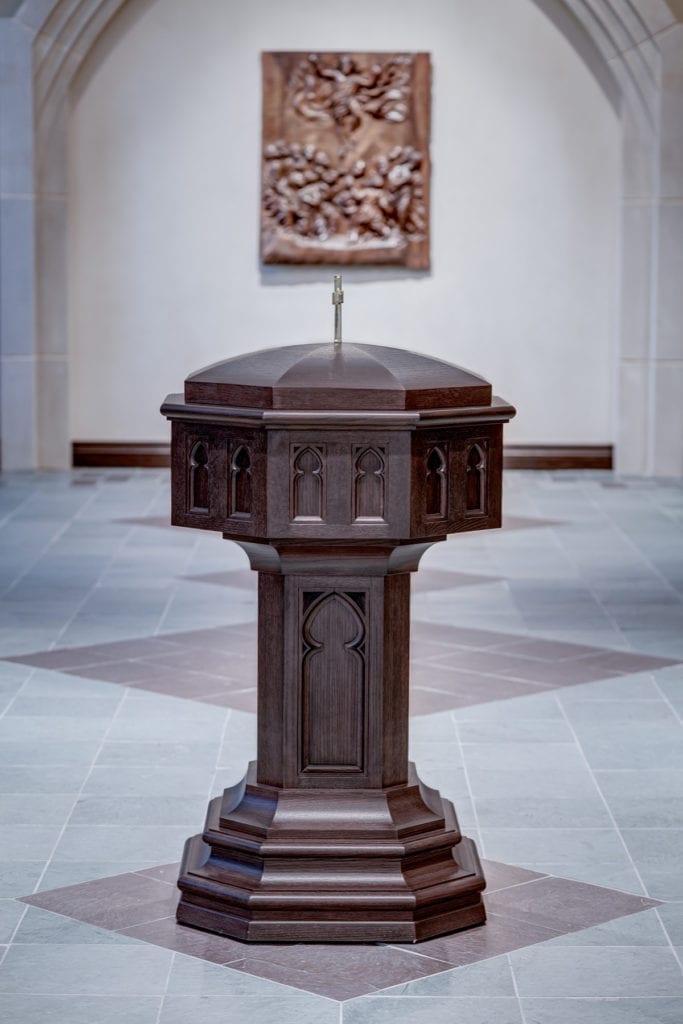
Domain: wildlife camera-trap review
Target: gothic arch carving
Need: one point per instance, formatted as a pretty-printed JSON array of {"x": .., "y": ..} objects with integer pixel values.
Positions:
[
  {"x": 436, "y": 485},
  {"x": 369, "y": 484},
  {"x": 475, "y": 479},
  {"x": 240, "y": 482},
  {"x": 308, "y": 483},
  {"x": 333, "y": 684},
  {"x": 199, "y": 477}
]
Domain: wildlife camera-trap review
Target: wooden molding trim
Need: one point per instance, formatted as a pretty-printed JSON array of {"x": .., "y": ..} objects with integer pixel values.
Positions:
[
  {"x": 107, "y": 454},
  {"x": 557, "y": 456}
]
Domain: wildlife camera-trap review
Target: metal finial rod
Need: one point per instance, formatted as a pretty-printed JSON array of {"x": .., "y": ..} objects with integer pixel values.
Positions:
[{"x": 337, "y": 299}]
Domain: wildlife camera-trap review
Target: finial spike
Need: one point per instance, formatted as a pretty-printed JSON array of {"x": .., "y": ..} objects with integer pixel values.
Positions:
[{"x": 337, "y": 299}]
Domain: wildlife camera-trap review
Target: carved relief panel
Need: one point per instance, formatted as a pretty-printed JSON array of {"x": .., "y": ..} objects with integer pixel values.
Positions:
[{"x": 345, "y": 163}]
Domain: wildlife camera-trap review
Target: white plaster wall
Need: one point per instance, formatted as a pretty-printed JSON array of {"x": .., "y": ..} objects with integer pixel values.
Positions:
[{"x": 164, "y": 182}]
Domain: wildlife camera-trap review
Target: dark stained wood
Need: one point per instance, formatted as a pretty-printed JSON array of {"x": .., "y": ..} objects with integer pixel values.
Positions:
[
  {"x": 349, "y": 376},
  {"x": 119, "y": 454},
  {"x": 275, "y": 865},
  {"x": 345, "y": 162},
  {"x": 331, "y": 836},
  {"x": 558, "y": 456},
  {"x": 153, "y": 455}
]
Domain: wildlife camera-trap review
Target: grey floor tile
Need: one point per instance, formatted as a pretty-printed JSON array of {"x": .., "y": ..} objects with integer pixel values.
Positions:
[
  {"x": 575, "y": 783},
  {"x": 19, "y": 877},
  {"x": 36, "y": 728},
  {"x": 523, "y": 757},
  {"x": 139, "y": 810},
  {"x": 542, "y": 706},
  {"x": 33, "y": 752},
  {"x": 41, "y": 927},
  {"x": 671, "y": 916},
  {"x": 632, "y": 744},
  {"x": 622, "y": 875},
  {"x": 543, "y": 812},
  {"x": 121, "y": 843},
  {"x": 63, "y": 873},
  {"x": 554, "y": 846},
  {"x": 158, "y": 752},
  {"x": 254, "y": 1009},
  {"x": 518, "y": 731},
  {"x": 487, "y": 978},
  {"x": 657, "y": 854},
  {"x": 624, "y": 688},
  {"x": 139, "y": 970},
  {"x": 643, "y": 929},
  {"x": 148, "y": 780},
  {"x": 596, "y": 971},
  {"x": 28, "y": 842},
  {"x": 35, "y": 1008},
  {"x": 603, "y": 1011},
  {"x": 35, "y": 779},
  {"x": 35, "y": 808},
  {"x": 648, "y": 798},
  {"x": 431, "y": 1010},
  {"x": 192, "y": 977},
  {"x": 99, "y": 706},
  {"x": 54, "y": 685},
  {"x": 11, "y": 914}
]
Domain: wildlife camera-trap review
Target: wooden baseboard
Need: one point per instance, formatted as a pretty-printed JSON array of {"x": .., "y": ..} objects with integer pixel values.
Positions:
[
  {"x": 107, "y": 454},
  {"x": 557, "y": 456}
]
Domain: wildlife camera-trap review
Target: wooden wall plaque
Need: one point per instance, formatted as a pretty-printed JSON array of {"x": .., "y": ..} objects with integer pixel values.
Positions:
[{"x": 345, "y": 159}]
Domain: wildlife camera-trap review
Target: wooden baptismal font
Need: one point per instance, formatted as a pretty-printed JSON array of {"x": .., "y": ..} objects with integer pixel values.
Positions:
[{"x": 334, "y": 467}]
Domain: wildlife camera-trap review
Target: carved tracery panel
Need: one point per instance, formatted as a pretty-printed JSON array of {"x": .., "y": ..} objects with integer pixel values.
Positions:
[
  {"x": 240, "y": 483},
  {"x": 199, "y": 478},
  {"x": 308, "y": 483},
  {"x": 369, "y": 484},
  {"x": 476, "y": 480},
  {"x": 436, "y": 486},
  {"x": 333, "y": 674}
]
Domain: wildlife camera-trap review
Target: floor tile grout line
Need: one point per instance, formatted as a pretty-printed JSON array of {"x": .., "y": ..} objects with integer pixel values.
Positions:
[
  {"x": 673, "y": 949},
  {"x": 221, "y": 742},
  {"x": 165, "y": 992},
  {"x": 81, "y": 789},
  {"x": 12, "y": 700},
  {"x": 468, "y": 783},
  {"x": 174, "y": 591},
  {"x": 602, "y": 796},
  {"x": 666, "y": 700},
  {"x": 516, "y": 989}
]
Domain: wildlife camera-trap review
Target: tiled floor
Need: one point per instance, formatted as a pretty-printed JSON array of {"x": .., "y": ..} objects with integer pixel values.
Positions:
[{"x": 547, "y": 701}]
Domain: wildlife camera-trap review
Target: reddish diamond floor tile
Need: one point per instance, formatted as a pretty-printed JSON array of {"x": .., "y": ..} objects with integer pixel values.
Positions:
[
  {"x": 523, "y": 907},
  {"x": 451, "y": 668}
]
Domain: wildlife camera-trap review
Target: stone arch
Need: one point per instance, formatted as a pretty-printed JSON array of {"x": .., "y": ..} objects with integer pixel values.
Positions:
[{"x": 627, "y": 44}]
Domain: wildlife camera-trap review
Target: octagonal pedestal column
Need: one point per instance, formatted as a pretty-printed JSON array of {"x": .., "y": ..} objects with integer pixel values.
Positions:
[{"x": 331, "y": 836}]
